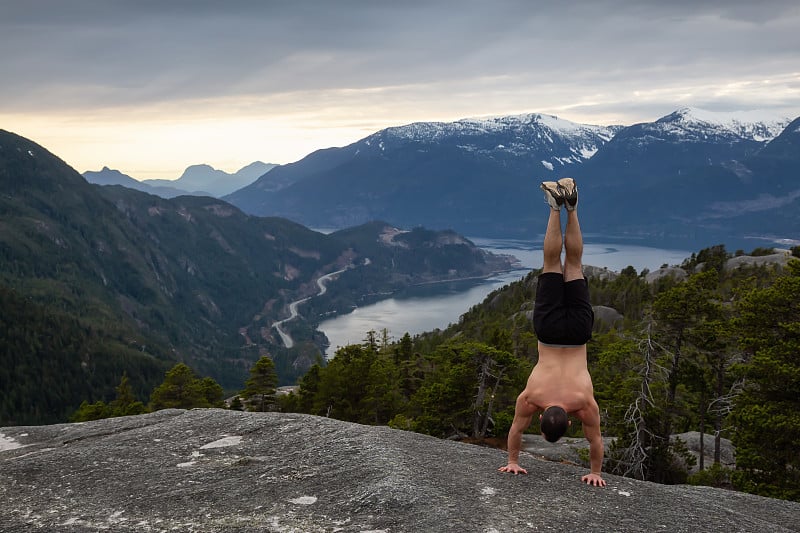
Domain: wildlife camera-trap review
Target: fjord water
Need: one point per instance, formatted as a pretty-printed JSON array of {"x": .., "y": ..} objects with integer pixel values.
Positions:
[{"x": 425, "y": 308}]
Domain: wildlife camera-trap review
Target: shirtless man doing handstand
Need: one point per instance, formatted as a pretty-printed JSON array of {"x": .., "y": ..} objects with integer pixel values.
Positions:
[{"x": 560, "y": 384}]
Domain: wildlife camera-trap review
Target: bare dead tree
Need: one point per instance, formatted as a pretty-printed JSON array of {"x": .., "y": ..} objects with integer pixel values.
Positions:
[
  {"x": 490, "y": 407},
  {"x": 480, "y": 396},
  {"x": 490, "y": 375},
  {"x": 633, "y": 459},
  {"x": 721, "y": 407}
]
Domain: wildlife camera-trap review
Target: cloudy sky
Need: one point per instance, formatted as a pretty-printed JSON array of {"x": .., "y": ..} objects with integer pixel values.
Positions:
[{"x": 150, "y": 87}]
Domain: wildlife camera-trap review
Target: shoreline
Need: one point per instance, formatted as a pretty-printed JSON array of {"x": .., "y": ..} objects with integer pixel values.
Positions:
[{"x": 472, "y": 278}]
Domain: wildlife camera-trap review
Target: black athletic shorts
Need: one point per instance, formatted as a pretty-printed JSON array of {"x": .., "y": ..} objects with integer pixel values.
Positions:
[{"x": 562, "y": 313}]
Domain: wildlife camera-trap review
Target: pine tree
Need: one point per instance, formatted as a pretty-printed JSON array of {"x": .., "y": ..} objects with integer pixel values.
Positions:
[
  {"x": 212, "y": 392},
  {"x": 180, "y": 390},
  {"x": 259, "y": 388},
  {"x": 125, "y": 403},
  {"x": 90, "y": 411},
  {"x": 767, "y": 413}
]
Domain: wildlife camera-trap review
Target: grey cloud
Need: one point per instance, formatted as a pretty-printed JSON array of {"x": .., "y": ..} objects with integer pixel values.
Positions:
[{"x": 83, "y": 53}]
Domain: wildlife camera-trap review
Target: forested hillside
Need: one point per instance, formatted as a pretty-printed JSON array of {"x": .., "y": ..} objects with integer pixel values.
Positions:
[
  {"x": 715, "y": 350},
  {"x": 101, "y": 281},
  {"x": 52, "y": 360}
]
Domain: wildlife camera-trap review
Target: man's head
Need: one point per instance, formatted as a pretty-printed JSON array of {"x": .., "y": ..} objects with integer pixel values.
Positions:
[{"x": 554, "y": 423}]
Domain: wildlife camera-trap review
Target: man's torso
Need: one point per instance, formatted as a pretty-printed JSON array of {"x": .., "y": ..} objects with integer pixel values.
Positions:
[{"x": 561, "y": 377}]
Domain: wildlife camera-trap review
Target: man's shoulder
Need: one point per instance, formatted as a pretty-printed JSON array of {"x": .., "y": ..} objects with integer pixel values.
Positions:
[
  {"x": 589, "y": 412},
  {"x": 530, "y": 397}
]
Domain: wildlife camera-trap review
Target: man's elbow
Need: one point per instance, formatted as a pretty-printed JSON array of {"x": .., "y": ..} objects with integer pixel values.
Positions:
[{"x": 595, "y": 440}]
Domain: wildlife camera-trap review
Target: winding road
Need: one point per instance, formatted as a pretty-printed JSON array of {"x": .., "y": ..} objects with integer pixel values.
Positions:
[{"x": 285, "y": 337}]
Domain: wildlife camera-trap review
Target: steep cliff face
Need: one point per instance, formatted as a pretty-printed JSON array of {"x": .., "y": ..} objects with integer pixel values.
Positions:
[{"x": 216, "y": 470}]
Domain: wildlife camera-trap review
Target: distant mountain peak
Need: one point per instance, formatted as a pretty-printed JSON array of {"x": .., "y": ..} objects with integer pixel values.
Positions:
[
  {"x": 757, "y": 125},
  {"x": 479, "y": 126},
  {"x": 548, "y": 139},
  {"x": 201, "y": 175},
  {"x": 551, "y": 122}
]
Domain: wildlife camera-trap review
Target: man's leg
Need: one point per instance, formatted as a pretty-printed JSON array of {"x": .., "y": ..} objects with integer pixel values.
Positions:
[
  {"x": 552, "y": 243},
  {"x": 573, "y": 245}
]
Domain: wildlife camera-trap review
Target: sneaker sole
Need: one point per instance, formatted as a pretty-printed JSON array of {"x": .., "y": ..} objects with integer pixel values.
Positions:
[{"x": 552, "y": 192}]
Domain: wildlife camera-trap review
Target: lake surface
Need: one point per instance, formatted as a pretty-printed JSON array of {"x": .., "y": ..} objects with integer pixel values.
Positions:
[{"x": 426, "y": 308}]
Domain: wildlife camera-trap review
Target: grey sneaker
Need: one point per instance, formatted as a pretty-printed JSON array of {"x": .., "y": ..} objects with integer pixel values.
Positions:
[
  {"x": 553, "y": 194},
  {"x": 569, "y": 192}
]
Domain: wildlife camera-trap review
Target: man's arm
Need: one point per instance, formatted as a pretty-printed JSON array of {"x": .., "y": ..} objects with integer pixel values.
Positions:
[
  {"x": 523, "y": 413},
  {"x": 590, "y": 418}
]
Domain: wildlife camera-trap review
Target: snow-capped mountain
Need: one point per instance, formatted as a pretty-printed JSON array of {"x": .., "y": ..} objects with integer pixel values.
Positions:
[
  {"x": 679, "y": 144},
  {"x": 480, "y": 176},
  {"x": 559, "y": 142},
  {"x": 685, "y": 174},
  {"x": 427, "y": 173},
  {"x": 692, "y": 123}
]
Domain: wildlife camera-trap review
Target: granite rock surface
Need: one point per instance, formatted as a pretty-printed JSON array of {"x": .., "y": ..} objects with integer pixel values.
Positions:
[{"x": 217, "y": 470}]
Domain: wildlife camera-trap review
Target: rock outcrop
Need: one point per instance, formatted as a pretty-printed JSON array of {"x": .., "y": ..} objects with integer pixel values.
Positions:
[
  {"x": 601, "y": 273},
  {"x": 691, "y": 439},
  {"x": 779, "y": 260},
  {"x": 676, "y": 272},
  {"x": 217, "y": 470},
  {"x": 576, "y": 450},
  {"x": 606, "y": 317}
]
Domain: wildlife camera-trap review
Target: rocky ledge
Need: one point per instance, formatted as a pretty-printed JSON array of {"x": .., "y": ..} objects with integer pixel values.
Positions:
[{"x": 218, "y": 470}]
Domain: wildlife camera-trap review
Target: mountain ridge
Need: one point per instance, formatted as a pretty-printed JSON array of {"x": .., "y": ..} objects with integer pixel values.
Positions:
[
  {"x": 481, "y": 176},
  {"x": 197, "y": 180}
]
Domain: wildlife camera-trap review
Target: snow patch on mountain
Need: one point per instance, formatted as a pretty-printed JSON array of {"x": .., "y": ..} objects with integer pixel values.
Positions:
[
  {"x": 557, "y": 141},
  {"x": 700, "y": 124},
  {"x": 525, "y": 123}
]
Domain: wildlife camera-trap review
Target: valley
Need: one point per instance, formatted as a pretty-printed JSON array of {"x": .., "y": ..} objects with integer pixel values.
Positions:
[
  {"x": 321, "y": 282},
  {"x": 156, "y": 281}
]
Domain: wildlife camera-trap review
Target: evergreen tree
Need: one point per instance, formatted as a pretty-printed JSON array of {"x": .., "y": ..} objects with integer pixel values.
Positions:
[
  {"x": 677, "y": 311},
  {"x": 125, "y": 403},
  {"x": 767, "y": 413},
  {"x": 711, "y": 379},
  {"x": 343, "y": 388},
  {"x": 90, "y": 411},
  {"x": 458, "y": 397},
  {"x": 307, "y": 389},
  {"x": 259, "y": 390},
  {"x": 212, "y": 392},
  {"x": 181, "y": 389}
]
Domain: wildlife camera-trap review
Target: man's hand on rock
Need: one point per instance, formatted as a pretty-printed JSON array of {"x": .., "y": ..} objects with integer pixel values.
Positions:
[
  {"x": 594, "y": 479},
  {"x": 513, "y": 468}
]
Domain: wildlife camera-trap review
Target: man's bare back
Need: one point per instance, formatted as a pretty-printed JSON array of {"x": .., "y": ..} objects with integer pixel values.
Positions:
[{"x": 561, "y": 377}]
